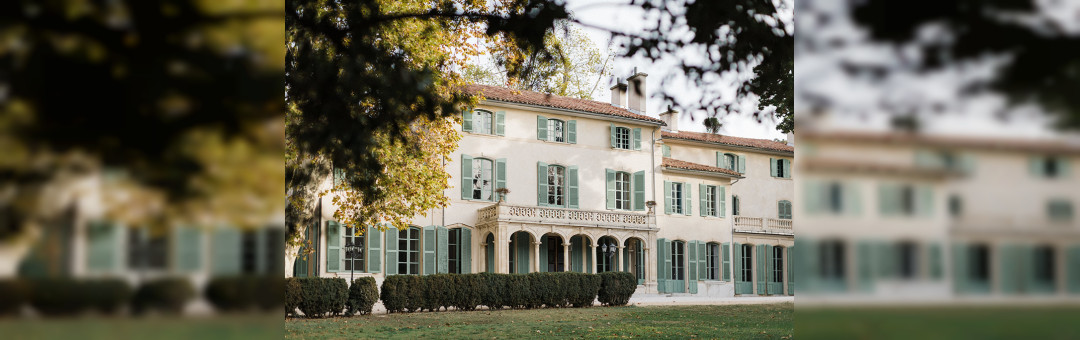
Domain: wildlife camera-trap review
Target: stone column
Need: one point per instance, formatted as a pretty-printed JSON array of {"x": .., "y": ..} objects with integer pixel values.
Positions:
[
  {"x": 566, "y": 257},
  {"x": 619, "y": 259},
  {"x": 502, "y": 254},
  {"x": 536, "y": 256},
  {"x": 483, "y": 257},
  {"x": 592, "y": 250}
]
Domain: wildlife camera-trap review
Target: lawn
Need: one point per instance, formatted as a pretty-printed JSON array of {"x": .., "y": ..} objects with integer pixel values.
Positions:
[
  {"x": 157, "y": 328},
  {"x": 939, "y": 323},
  {"x": 739, "y": 321}
]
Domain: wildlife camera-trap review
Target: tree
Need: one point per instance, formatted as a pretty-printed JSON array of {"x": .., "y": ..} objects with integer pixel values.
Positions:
[
  {"x": 575, "y": 71},
  {"x": 1037, "y": 70},
  {"x": 712, "y": 124}
]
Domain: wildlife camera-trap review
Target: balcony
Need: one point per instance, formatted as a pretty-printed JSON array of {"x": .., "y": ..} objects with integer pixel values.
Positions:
[
  {"x": 762, "y": 225},
  {"x": 503, "y": 212}
]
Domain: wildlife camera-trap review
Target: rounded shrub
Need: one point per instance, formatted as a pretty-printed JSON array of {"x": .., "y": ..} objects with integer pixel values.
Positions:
[
  {"x": 166, "y": 295},
  {"x": 323, "y": 296},
  {"x": 57, "y": 296},
  {"x": 393, "y": 293},
  {"x": 13, "y": 294},
  {"x": 616, "y": 288},
  {"x": 362, "y": 296},
  {"x": 233, "y": 293},
  {"x": 107, "y": 295},
  {"x": 294, "y": 294}
]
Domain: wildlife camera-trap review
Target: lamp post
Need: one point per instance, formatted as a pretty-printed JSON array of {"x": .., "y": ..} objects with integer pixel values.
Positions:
[
  {"x": 609, "y": 250},
  {"x": 351, "y": 252}
]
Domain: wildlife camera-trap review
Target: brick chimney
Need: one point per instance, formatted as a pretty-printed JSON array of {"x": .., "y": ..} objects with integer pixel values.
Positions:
[
  {"x": 671, "y": 118},
  {"x": 618, "y": 94},
  {"x": 636, "y": 94}
]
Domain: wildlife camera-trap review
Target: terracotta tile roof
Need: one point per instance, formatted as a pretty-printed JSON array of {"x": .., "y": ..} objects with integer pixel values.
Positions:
[
  {"x": 542, "y": 99},
  {"x": 729, "y": 140},
  {"x": 909, "y": 139},
  {"x": 678, "y": 164},
  {"x": 850, "y": 166}
]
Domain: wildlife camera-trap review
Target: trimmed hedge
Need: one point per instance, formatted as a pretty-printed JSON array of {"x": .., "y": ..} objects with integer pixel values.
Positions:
[
  {"x": 167, "y": 295},
  {"x": 13, "y": 294},
  {"x": 66, "y": 296},
  {"x": 294, "y": 294},
  {"x": 322, "y": 296},
  {"x": 245, "y": 292},
  {"x": 616, "y": 288},
  {"x": 363, "y": 293},
  {"x": 411, "y": 293}
]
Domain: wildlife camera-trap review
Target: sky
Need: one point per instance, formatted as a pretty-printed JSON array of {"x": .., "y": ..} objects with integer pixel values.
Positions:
[{"x": 618, "y": 15}]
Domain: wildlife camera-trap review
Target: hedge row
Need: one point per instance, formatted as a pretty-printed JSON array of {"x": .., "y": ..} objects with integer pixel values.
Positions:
[
  {"x": 67, "y": 296},
  {"x": 411, "y": 293},
  {"x": 245, "y": 292},
  {"x": 321, "y": 296}
]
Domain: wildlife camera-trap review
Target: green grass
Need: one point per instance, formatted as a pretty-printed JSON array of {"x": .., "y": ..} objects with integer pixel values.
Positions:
[
  {"x": 741, "y": 321},
  {"x": 80, "y": 328},
  {"x": 939, "y": 323}
]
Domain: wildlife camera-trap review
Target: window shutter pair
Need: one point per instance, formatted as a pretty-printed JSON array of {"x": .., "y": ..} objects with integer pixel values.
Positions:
[
  {"x": 725, "y": 255},
  {"x": 635, "y": 135},
  {"x": 667, "y": 197},
  {"x": 499, "y": 116},
  {"x": 783, "y": 209},
  {"x": 609, "y": 174},
  {"x": 103, "y": 241},
  {"x": 429, "y": 243}
]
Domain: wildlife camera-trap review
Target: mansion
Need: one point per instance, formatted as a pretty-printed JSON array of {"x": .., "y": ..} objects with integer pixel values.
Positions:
[{"x": 592, "y": 187}]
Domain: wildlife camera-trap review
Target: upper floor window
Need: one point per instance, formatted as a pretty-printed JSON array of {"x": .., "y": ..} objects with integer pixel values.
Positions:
[
  {"x": 625, "y": 190},
  {"x": 784, "y": 209},
  {"x": 1060, "y": 210},
  {"x": 730, "y": 162},
  {"x": 956, "y": 206},
  {"x": 676, "y": 203},
  {"x": 483, "y": 122},
  {"x": 781, "y": 168},
  {"x": 1049, "y": 167},
  {"x": 710, "y": 199},
  {"x": 556, "y": 188},
  {"x": 622, "y": 190},
  {"x": 666, "y": 150},
  {"x": 905, "y": 199},
  {"x": 625, "y": 138},
  {"x": 836, "y": 198},
  {"x": 482, "y": 179},
  {"x": 556, "y": 130}
]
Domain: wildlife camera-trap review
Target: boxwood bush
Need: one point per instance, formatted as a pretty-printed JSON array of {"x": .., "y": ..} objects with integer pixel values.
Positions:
[
  {"x": 294, "y": 294},
  {"x": 66, "y": 296},
  {"x": 107, "y": 295},
  {"x": 363, "y": 293},
  {"x": 13, "y": 295},
  {"x": 322, "y": 296},
  {"x": 233, "y": 293},
  {"x": 410, "y": 293},
  {"x": 166, "y": 295},
  {"x": 616, "y": 288}
]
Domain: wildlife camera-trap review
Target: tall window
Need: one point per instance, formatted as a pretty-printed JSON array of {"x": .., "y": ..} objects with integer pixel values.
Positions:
[
  {"x": 836, "y": 201},
  {"x": 556, "y": 194},
  {"x": 453, "y": 245},
  {"x": 622, "y": 190},
  {"x": 712, "y": 261},
  {"x": 980, "y": 260},
  {"x": 482, "y": 179},
  {"x": 711, "y": 191},
  {"x": 354, "y": 260},
  {"x": 907, "y": 259},
  {"x": 781, "y": 171},
  {"x": 832, "y": 260},
  {"x": 784, "y": 209},
  {"x": 482, "y": 122},
  {"x": 147, "y": 250},
  {"x": 778, "y": 264},
  {"x": 730, "y": 162},
  {"x": 556, "y": 131},
  {"x": 676, "y": 198},
  {"x": 1044, "y": 264},
  {"x": 735, "y": 205},
  {"x": 747, "y": 262},
  {"x": 678, "y": 254},
  {"x": 409, "y": 251},
  {"x": 956, "y": 206},
  {"x": 622, "y": 138},
  {"x": 907, "y": 200},
  {"x": 555, "y": 254}
]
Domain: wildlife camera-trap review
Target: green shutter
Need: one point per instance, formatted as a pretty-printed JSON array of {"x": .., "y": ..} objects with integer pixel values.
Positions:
[
  {"x": 541, "y": 128},
  {"x": 541, "y": 183},
  {"x": 500, "y": 176},
  {"x": 1010, "y": 268},
  {"x": 571, "y": 131},
  {"x": 851, "y": 200},
  {"x": 429, "y": 241},
  {"x": 610, "y": 188},
  {"x": 925, "y": 201},
  {"x": 721, "y": 161},
  {"x": 612, "y": 134},
  {"x": 637, "y": 138},
  {"x": 888, "y": 199},
  {"x": 667, "y": 197},
  {"x": 466, "y": 120},
  {"x": 542, "y": 266},
  {"x": 1035, "y": 166},
  {"x": 442, "y": 257},
  {"x": 334, "y": 253},
  {"x": 866, "y": 265},
  {"x": 767, "y": 278},
  {"x": 742, "y": 164},
  {"x": 392, "y": 250},
  {"x": 790, "y": 270},
  {"x": 465, "y": 246},
  {"x": 102, "y": 243},
  {"x": 691, "y": 262},
  {"x": 188, "y": 248},
  {"x": 500, "y": 123},
  {"x": 737, "y": 248},
  {"x": 701, "y": 199},
  {"x": 687, "y": 199},
  {"x": 761, "y": 274},
  {"x": 466, "y": 177},
  {"x": 702, "y": 260},
  {"x": 663, "y": 262},
  {"x": 639, "y": 191},
  {"x": 772, "y": 166},
  {"x": 1073, "y": 267},
  {"x": 787, "y": 168},
  {"x": 961, "y": 280},
  {"x": 1064, "y": 167},
  {"x": 814, "y": 198},
  {"x": 722, "y": 205},
  {"x": 572, "y": 187},
  {"x": 666, "y": 150},
  {"x": 935, "y": 258},
  {"x": 227, "y": 251},
  {"x": 374, "y": 249},
  {"x": 726, "y": 261}
]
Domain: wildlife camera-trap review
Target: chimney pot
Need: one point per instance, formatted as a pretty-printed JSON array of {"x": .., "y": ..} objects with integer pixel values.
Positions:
[
  {"x": 618, "y": 94},
  {"x": 636, "y": 94}
]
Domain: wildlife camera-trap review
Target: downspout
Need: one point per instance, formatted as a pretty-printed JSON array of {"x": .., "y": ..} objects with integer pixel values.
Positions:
[
  {"x": 732, "y": 241},
  {"x": 652, "y": 159},
  {"x": 444, "y": 194}
]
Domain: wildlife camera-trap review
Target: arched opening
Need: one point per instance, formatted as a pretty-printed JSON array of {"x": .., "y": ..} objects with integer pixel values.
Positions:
[
  {"x": 489, "y": 257},
  {"x": 606, "y": 254},
  {"x": 552, "y": 253},
  {"x": 634, "y": 258},
  {"x": 520, "y": 243},
  {"x": 580, "y": 256}
]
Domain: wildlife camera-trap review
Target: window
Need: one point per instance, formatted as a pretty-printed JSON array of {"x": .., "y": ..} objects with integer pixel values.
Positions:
[
  {"x": 556, "y": 178},
  {"x": 1049, "y": 167},
  {"x": 556, "y": 131},
  {"x": 907, "y": 260},
  {"x": 832, "y": 260},
  {"x": 147, "y": 249},
  {"x": 482, "y": 179},
  {"x": 1060, "y": 210},
  {"x": 784, "y": 209},
  {"x": 778, "y": 264},
  {"x": 622, "y": 138},
  {"x": 453, "y": 248},
  {"x": 248, "y": 254},
  {"x": 712, "y": 261},
  {"x": 711, "y": 192},
  {"x": 956, "y": 206},
  {"x": 1044, "y": 264},
  {"x": 836, "y": 202},
  {"x": 622, "y": 190},
  {"x": 676, "y": 198},
  {"x": 907, "y": 200},
  {"x": 980, "y": 263},
  {"x": 747, "y": 263},
  {"x": 781, "y": 168},
  {"x": 409, "y": 251},
  {"x": 677, "y": 257},
  {"x": 735, "y": 205},
  {"x": 482, "y": 122},
  {"x": 554, "y": 254},
  {"x": 354, "y": 260},
  {"x": 730, "y": 162}
]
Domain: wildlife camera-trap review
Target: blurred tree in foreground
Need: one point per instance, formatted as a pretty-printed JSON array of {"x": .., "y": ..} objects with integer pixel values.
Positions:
[
  {"x": 175, "y": 105},
  {"x": 1035, "y": 39}
]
